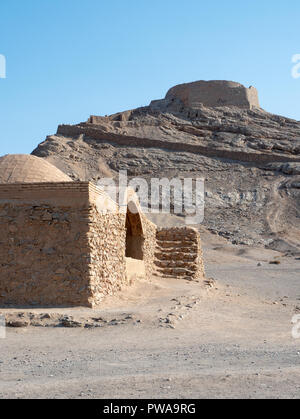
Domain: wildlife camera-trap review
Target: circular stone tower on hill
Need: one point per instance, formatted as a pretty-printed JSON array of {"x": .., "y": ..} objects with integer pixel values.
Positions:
[
  {"x": 24, "y": 168},
  {"x": 214, "y": 94}
]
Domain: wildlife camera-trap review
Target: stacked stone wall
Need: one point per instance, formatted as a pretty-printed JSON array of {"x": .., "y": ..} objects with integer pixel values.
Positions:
[
  {"x": 149, "y": 231},
  {"x": 179, "y": 253},
  {"x": 107, "y": 264}
]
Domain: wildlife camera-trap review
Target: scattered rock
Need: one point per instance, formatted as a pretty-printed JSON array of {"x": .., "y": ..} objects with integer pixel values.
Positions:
[{"x": 17, "y": 323}]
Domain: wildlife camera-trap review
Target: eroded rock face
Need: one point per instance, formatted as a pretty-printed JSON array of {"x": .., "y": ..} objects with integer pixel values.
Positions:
[{"x": 249, "y": 159}]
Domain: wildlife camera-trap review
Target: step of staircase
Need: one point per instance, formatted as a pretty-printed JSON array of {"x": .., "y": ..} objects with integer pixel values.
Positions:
[
  {"x": 172, "y": 249},
  {"x": 174, "y": 273},
  {"x": 188, "y": 257},
  {"x": 176, "y": 264},
  {"x": 175, "y": 237},
  {"x": 177, "y": 247},
  {"x": 170, "y": 243}
]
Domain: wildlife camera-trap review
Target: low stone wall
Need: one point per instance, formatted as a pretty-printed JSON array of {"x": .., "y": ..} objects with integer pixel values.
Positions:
[
  {"x": 93, "y": 131},
  {"x": 179, "y": 253}
]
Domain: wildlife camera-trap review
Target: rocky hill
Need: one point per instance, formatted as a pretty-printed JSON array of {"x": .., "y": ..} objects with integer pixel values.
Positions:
[{"x": 249, "y": 158}]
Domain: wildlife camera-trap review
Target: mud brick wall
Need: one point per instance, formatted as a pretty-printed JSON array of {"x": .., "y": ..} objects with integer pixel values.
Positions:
[
  {"x": 43, "y": 255},
  {"x": 215, "y": 93},
  {"x": 44, "y": 245}
]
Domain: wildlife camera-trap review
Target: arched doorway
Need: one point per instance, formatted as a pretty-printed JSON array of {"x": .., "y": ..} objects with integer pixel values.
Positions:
[{"x": 134, "y": 233}]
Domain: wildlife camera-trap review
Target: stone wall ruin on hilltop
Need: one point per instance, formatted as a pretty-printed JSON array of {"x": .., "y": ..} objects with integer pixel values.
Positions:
[{"x": 214, "y": 94}]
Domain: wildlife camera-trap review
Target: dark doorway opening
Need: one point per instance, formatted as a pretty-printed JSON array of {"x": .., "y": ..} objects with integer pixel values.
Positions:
[{"x": 134, "y": 234}]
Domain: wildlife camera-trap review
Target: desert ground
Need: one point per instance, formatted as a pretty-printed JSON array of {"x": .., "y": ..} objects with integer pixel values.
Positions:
[{"x": 168, "y": 338}]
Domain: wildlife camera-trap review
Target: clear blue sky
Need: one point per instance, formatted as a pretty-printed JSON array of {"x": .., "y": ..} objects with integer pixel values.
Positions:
[{"x": 68, "y": 59}]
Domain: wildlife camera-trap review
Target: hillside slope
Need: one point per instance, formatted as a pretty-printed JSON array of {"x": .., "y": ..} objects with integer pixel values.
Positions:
[{"x": 249, "y": 158}]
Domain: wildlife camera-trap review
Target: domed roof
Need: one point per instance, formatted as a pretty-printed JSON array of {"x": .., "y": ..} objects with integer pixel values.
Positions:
[{"x": 25, "y": 168}]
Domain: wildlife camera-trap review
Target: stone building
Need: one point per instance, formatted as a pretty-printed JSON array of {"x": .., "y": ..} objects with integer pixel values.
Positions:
[{"x": 66, "y": 243}]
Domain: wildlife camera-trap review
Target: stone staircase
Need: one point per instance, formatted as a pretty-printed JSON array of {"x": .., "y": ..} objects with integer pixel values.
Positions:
[{"x": 178, "y": 254}]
